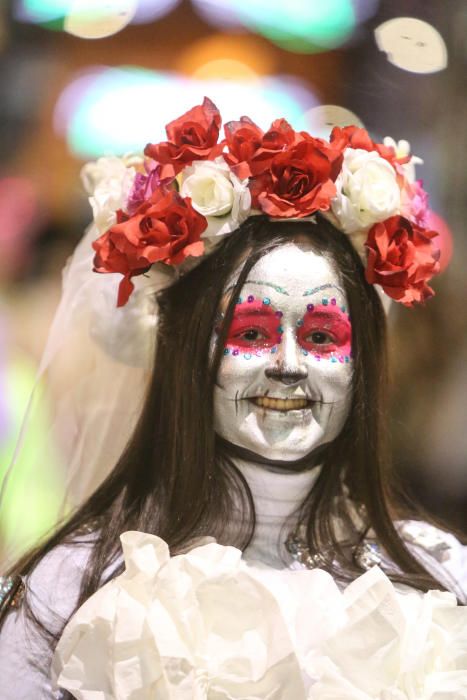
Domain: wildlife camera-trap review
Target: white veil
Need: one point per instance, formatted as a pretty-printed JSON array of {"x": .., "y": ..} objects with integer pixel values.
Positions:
[{"x": 91, "y": 381}]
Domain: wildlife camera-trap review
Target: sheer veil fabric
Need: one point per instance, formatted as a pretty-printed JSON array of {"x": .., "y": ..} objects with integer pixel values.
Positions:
[{"x": 92, "y": 377}]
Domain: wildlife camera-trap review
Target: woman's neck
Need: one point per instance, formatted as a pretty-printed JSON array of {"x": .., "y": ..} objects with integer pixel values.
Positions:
[{"x": 277, "y": 496}]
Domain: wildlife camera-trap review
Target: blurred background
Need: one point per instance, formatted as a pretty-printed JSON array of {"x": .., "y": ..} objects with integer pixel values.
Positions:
[{"x": 84, "y": 78}]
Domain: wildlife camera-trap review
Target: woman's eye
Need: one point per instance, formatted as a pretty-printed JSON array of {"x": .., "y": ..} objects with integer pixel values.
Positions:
[
  {"x": 320, "y": 338},
  {"x": 251, "y": 335}
]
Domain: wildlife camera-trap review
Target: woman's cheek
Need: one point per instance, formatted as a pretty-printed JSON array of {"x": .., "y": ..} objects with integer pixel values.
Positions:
[{"x": 332, "y": 376}]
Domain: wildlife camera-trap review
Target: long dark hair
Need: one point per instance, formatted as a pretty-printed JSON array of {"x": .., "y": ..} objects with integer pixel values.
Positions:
[{"x": 176, "y": 479}]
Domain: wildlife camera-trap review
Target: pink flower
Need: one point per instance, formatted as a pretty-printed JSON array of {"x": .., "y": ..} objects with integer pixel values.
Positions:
[
  {"x": 144, "y": 185},
  {"x": 414, "y": 202}
]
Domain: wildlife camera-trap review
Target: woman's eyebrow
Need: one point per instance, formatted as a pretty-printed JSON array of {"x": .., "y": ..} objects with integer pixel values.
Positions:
[
  {"x": 309, "y": 292},
  {"x": 245, "y": 310},
  {"x": 330, "y": 314},
  {"x": 276, "y": 287}
]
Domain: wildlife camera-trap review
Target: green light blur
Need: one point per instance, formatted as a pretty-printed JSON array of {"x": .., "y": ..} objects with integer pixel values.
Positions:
[
  {"x": 35, "y": 490},
  {"x": 42, "y": 11},
  {"x": 117, "y": 111},
  {"x": 113, "y": 115},
  {"x": 302, "y": 26}
]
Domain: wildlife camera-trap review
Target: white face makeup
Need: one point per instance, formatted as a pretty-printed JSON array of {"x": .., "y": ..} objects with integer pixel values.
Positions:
[{"x": 284, "y": 382}]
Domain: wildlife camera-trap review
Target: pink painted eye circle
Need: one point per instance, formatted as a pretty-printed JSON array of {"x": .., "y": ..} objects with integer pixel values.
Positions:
[
  {"x": 254, "y": 325},
  {"x": 324, "y": 330}
]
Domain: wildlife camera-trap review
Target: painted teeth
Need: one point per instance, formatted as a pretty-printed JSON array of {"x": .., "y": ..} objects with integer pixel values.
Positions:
[{"x": 280, "y": 404}]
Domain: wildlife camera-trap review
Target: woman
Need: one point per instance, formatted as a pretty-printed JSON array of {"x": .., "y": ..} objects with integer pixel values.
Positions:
[{"x": 258, "y": 458}]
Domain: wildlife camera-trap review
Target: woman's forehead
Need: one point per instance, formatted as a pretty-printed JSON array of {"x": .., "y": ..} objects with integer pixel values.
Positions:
[{"x": 292, "y": 271}]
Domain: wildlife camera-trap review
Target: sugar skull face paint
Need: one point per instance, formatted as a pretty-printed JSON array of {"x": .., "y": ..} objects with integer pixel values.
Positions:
[{"x": 284, "y": 382}]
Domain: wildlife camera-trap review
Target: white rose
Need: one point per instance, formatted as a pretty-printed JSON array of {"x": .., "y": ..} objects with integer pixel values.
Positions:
[
  {"x": 402, "y": 150},
  {"x": 367, "y": 191},
  {"x": 217, "y": 194},
  {"x": 108, "y": 181}
]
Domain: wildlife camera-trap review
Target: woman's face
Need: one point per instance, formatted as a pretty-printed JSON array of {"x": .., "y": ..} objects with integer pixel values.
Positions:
[{"x": 284, "y": 382}]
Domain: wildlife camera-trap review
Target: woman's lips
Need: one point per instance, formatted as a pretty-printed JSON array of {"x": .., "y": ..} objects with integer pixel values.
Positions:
[{"x": 281, "y": 404}]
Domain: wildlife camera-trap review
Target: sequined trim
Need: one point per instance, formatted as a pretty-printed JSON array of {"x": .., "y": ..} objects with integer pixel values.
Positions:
[
  {"x": 365, "y": 555},
  {"x": 11, "y": 594}
]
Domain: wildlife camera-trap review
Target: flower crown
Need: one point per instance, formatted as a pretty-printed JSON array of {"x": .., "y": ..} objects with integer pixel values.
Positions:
[{"x": 187, "y": 193}]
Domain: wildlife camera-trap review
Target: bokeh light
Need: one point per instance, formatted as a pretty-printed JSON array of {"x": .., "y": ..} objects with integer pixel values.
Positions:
[
  {"x": 364, "y": 9},
  {"x": 319, "y": 17},
  {"x": 151, "y": 10},
  {"x": 412, "y": 45},
  {"x": 443, "y": 241},
  {"x": 299, "y": 25},
  {"x": 220, "y": 13},
  {"x": 226, "y": 69},
  {"x": 225, "y": 56},
  {"x": 322, "y": 119},
  {"x": 41, "y": 11},
  {"x": 118, "y": 110},
  {"x": 90, "y": 20}
]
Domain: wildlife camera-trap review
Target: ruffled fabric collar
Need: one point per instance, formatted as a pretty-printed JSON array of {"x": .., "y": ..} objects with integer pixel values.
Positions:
[{"x": 206, "y": 625}]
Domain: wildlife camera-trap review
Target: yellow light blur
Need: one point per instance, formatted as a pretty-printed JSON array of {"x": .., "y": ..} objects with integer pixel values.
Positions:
[
  {"x": 321, "y": 120},
  {"x": 227, "y": 56},
  {"x": 412, "y": 45},
  {"x": 89, "y": 20},
  {"x": 226, "y": 69}
]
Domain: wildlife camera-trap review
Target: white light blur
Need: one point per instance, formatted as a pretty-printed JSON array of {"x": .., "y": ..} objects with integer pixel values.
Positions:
[
  {"x": 220, "y": 14},
  {"x": 151, "y": 10},
  {"x": 321, "y": 120},
  {"x": 90, "y": 20},
  {"x": 412, "y": 45},
  {"x": 107, "y": 111},
  {"x": 364, "y": 9}
]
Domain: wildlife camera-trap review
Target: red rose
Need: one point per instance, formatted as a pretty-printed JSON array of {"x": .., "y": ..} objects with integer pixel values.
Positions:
[
  {"x": 250, "y": 150},
  {"x": 356, "y": 137},
  {"x": 402, "y": 258},
  {"x": 300, "y": 180},
  {"x": 193, "y": 136},
  {"x": 164, "y": 229}
]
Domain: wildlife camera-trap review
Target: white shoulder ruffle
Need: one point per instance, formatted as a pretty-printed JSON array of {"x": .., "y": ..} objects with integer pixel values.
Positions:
[
  {"x": 440, "y": 552},
  {"x": 208, "y": 626}
]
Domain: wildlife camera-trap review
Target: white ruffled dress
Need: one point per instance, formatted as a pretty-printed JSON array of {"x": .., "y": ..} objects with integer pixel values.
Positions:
[
  {"x": 208, "y": 625},
  {"x": 212, "y": 624}
]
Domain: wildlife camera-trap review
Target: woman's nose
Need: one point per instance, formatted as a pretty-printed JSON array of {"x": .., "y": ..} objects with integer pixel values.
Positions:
[{"x": 288, "y": 368}]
